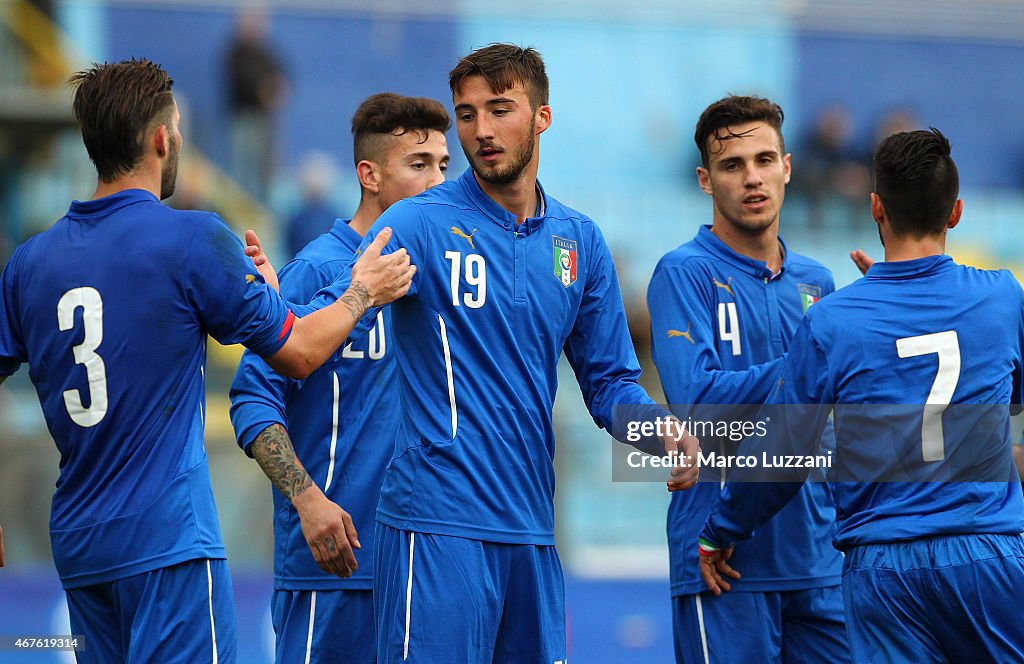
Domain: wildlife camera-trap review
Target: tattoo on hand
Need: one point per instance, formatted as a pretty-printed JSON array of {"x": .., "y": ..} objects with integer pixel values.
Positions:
[
  {"x": 273, "y": 450},
  {"x": 356, "y": 299}
]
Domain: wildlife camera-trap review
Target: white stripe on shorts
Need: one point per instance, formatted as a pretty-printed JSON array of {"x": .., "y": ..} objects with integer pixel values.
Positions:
[
  {"x": 408, "y": 596},
  {"x": 213, "y": 625},
  {"x": 312, "y": 618},
  {"x": 700, "y": 623}
]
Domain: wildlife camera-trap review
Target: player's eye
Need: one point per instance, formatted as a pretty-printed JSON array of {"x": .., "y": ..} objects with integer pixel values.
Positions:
[{"x": 444, "y": 167}]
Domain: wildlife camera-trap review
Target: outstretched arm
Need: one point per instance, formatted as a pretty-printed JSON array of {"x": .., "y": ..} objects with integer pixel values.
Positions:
[
  {"x": 799, "y": 410},
  {"x": 328, "y": 528},
  {"x": 376, "y": 280},
  {"x": 685, "y": 344},
  {"x": 600, "y": 351}
]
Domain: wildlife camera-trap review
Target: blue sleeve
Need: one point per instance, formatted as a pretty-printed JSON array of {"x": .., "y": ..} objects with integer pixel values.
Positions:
[
  {"x": 327, "y": 294},
  {"x": 405, "y": 221},
  {"x": 258, "y": 399},
  {"x": 300, "y": 280},
  {"x": 259, "y": 395},
  {"x": 798, "y": 409},
  {"x": 234, "y": 304},
  {"x": 599, "y": 347},
  {"x": 684, "y": 348},
  {"x": 12, "y": 346}
]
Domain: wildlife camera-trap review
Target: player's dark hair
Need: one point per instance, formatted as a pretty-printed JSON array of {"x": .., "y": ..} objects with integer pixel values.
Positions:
[
  {"x": 503, "y": 66},
  {"x": 386, "y": 114},
  {"x": 715, "y": 121},
  {"x": 917, "y": 181},
  {"x": 115, "y": 105}
]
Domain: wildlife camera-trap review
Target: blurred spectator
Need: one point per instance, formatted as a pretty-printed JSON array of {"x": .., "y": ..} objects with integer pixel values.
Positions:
[
  {"x": 893, "y": 121},
  {"x": 317, "y": 211},
  {"x": 827, "y": 174},
  {"x": 256, "y": 88}
]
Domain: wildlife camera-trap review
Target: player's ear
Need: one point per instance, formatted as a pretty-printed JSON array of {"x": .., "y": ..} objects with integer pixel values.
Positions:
[
  {"x": 368, "y": 173},
  {"x": 954, "y": 216},
  {"x": 704, "y": 180},
  {"x": 787, "y": 164},
  {"x": 877, "y": 209},
  {"x": 161, "y": 141},
  {"x": 542, "y": 120}
]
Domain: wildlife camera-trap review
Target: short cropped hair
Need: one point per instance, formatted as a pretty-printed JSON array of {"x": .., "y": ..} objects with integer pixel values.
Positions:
[
  {"x": 384, "y": 115},
  {"x": 917, "y": 180},
  {"x": 115, "y": 105},
  {"x": 503, "y": 66},
  {"x": 732, "y": 111}
]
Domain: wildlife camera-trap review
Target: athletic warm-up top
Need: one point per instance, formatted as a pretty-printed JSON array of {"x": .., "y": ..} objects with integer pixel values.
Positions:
[
  {"x": 478, "y": 337},
  {"x": 908, "y": 333},
  {"x": 721, "y": 324}
]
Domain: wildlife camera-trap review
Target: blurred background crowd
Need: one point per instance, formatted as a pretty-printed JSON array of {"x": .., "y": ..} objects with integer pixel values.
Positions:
[{"x": 267, "y": 92}]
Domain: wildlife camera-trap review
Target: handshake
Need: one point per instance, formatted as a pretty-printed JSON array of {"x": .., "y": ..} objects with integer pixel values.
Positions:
[{"x": 681, "y": 445}]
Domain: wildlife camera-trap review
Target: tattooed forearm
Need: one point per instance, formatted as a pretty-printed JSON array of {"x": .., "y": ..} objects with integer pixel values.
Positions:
[
  {"x": 273, "y": 450},
  {"x": 356, "y": 299}
]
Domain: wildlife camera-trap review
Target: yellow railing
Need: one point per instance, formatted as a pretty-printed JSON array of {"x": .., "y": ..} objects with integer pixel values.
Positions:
[{"x": 47, "y": 65}]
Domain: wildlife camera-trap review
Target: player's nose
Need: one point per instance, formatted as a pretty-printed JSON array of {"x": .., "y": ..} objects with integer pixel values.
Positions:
[
  {"x": 752, "y": 178},
  {"x": 484, "y": 128}
]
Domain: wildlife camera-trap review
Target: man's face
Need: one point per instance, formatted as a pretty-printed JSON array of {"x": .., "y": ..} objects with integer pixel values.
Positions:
[
  {"x": 169, "y": 174},
  {"x": 498, "y": 132},
  {"x": 746, "y": 176},
  {"x": 412, "y": 165}
]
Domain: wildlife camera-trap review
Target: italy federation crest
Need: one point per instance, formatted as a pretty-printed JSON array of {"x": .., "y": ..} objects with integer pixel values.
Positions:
[
  {"x": 809, "y": 295},
  {"x": 565, "y": 259}
]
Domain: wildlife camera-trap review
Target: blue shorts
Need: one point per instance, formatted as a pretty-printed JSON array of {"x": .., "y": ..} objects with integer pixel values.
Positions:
[
  {"x": 324, "y": 626},
  {"x": 939, "y": 599},
  {"x": 450, "y": 599},
  {"x": 787, "y": 626},
  {"x": 184, "y": 613}
]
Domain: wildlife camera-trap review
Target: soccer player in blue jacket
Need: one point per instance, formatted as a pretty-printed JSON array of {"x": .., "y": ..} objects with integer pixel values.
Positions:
[
  {"x": 324, "y": 441},
  {"x": 724, "y": 307},
  {"x": 111, "y": 308},
  {"x": 509, "y": 278},
  {"x": 929, "y": 507}
]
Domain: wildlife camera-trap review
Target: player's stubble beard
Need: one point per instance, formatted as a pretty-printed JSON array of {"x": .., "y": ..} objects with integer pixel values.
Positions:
[
  {"x": 759, "y": 224},
  {"x": 506, "y": 175},
  {"x": 169, "y": 174},
  {"x": 752, "y": 227}
]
